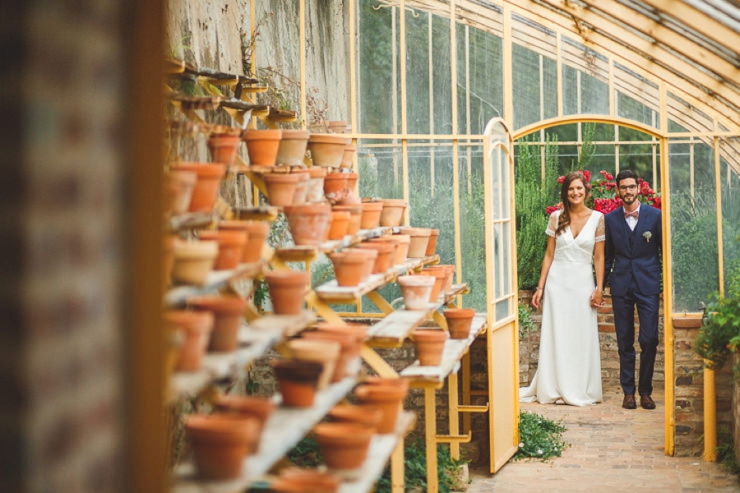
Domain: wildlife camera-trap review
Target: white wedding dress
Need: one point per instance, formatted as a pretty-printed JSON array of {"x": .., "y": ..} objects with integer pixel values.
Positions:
[{"x": 569, "y": 367}]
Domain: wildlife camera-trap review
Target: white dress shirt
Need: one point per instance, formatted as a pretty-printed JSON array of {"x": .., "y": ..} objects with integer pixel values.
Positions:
[{"x": 632, "y": 220}]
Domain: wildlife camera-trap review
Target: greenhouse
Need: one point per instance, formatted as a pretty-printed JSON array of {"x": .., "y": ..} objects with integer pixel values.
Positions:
[{"x": 261, "y": 245}]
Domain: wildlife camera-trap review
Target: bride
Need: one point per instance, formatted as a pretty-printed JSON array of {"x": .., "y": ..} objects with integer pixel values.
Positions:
[{"x": 569, "y": 369}]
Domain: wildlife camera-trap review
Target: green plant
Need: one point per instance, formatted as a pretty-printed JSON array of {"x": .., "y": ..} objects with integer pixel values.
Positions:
[
  {"x": 526, "y": 322},
  {"x": 415, "y": 468},
  {"x": 306, "y": 453},
  {"x": 719, "y": 335},
  {"x": 539, "y": 437},
  {"x": 726, "y": 454}
]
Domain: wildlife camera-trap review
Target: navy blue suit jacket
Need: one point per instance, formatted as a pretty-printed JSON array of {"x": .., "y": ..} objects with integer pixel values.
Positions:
[{"x": 629, "y": 255}]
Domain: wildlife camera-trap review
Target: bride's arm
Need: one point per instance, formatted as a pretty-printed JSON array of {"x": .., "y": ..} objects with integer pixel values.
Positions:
[
  {"x": 546, "y": 262},
  {"x": 597, "y": 296}
]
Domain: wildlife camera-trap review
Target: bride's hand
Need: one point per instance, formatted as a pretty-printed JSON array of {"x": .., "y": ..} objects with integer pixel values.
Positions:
[
  {"x": 536, "y": 298},
  {"x": 597, "y": 299}
]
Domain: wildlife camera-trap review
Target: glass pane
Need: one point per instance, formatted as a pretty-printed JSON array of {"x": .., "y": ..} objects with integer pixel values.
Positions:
[
  {"x": 472, "y": 230},
  {"x": 526, "y": 79},
  {"x": 594, "y": 95},
  {"x": 693, "y": 225},
  {"x": 498, "y": 287},
  {"x": 506, "y": 230},
  {"x": 442, "y": 95},
  {"x": 485, "y": 86},
  {"x": 417, "y": 73},
  {"x": 550, "y": 82},
  {"x": 380, "y": 166},
  {"x": 730, "y": 182},
  {"x": 502, "y": 309},
  {"x": 462, "y": 33},
  {"x": 570, "y": 91}
]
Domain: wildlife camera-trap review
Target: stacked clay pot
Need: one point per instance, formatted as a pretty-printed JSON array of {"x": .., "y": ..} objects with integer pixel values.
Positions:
[
  {"x": 339, "y": 224},
  {"x": 301, "y": 187},
  {"x": 385, "y": 257},
  {"x": 297, "y": 480},
  {"x": 325, "y": 352},
  {"x": 419, "y": 241},
  {"x": 350, "y": 266},
  {"x": 362, "y": 415},
  {"x": 343, "y": 445},
  {"x": 432, "y": 243},
  {"x": 440, "y": 275},
  {"x": 195, "y": 329},
  {"x": 207, "y": 184},
  {"x": 327, "y": 150},
  {"x": 355, "y": 219},
  {"x": 371, "y": 214},
  {"x": 459, "y": 321},
  {"x": 297, "y": 381},
  {"x": 224, "y": 147},
  {"x": 315, "y": 192},
  {"x": 259, "y": 408},
  {"x": 429, "y": 344},
  {"x": 350, "y": 338},
  {"x": 308, "y": 223},
  {"x": 228, "y": 315},
  {"x": 386, "y": 396},
  {"x": 287, "y": 291},
  {"x": 256, "y": 232},
  {"x": 402, "y": 246},
  {"x": 416, "y": 291},
  {"x": 178, "y": 190},
  {"x": 392, "y": 213},
  {"x": 280, "y": 187},
  {"x": 230, "y": 246},
  {"x": 194, "y": 260},
  {"x": 292, "y": 147},
  {"x": 262, "y": 146}
]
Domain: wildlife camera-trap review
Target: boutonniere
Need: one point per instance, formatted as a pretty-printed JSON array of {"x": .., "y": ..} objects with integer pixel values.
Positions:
[{"x": 647, "y": 235}]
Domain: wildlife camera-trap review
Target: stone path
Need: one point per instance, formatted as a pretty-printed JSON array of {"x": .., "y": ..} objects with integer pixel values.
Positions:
[{"x": 612, "y": 449}]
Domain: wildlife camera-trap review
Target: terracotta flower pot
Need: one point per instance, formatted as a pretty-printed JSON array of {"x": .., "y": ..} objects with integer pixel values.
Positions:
[
  {"x": 297, "y": 381},
  {"x": 297, "y": 480},
  {"x": 256, "y": 233},
  {"x": 362, "y": 415},
  {"x": 178, "y": 190},
  {"x": 402, "y": 246},
  {"x": 355, "y": 219},
  {"x": 419, "y": 241},
  {"x": 315, "y": 191},
  {"x": 334, "y": 184},
  {"x": 337, "y": 126},
  {"x": 416, "y": 291},
  {"x": 352, "y": 181},
  {"x": 347, "y": 156},
  {"x": 207, "y": 185},
  {"x": 230, "y": 246},
  {"x": 349, "y": 267},
  {"x": 224, "y": 148},
  {"x": 301, "y": 187},
  {"x": 432, "y": 244},
  {"x": 228, "y": 315},
  {"x": 430, "y": 344},
  {"x": 371, "y": 215},
  {"x": 343, "y": 445},
  {"x": 262, "y": 146},
  {"x": 339, "y": 225},
  {"x": 370, "y": 256},
  {"x": 325, "y": 352},
  {"x": 259, "y": 408},
  {"x": 220, "y": 443},
  {"x": 348, "y": 350},
  {"x": 308, "y": 223},
  {"x": 281, "y": 187},
  {"x": 327, "y": 150},
  {"x": 195, "y": 328},
  {"x": 447, "y": 272},
  {"x": 392, "y": 213},
  {"x": 440, "y": 278},
  {"x": 194, "y": 260},
  {"x": 459, "y": 321},
  {"x": 386, "y": 252},
  {"x": 292, "y": 147},
  {"x": 387, "y": 398},
  {"x": 287, "y": 291}
]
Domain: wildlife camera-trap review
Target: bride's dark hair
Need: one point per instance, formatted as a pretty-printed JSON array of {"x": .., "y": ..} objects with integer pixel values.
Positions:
[{"x": 564, "y": 219}]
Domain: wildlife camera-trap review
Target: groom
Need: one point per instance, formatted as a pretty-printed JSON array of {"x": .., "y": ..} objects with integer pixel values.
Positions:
[{"x": 632, "y": 250}]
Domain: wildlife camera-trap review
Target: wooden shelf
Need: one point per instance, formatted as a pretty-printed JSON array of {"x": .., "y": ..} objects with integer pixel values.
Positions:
[
  {"x": 283, "y": 429},
  {"x": 420, "y": 376},
  {"x": 381, "y": 448},
  {"x": 254, "y": 340},
  {"x": 188, "y": 102},
  {"x": 216, "y": 280},
  {"x": 305, "y": 253},
  {"x": 391, "y": 331},
  {"x": 190, "y": 220},
  {"x": 332, "y": 293}
]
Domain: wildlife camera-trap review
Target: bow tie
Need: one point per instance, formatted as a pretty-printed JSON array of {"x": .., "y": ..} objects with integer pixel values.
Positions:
[{"x": 634, "y": 213}]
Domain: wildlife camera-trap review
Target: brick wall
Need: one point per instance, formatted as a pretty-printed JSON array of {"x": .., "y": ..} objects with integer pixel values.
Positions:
[{"x": 60, "y": 95}]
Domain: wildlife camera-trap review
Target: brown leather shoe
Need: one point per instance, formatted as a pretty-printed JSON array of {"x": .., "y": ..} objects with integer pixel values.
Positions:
[
  {"x": 629, "y": 401},
  {"x": 647, "y": 402}
]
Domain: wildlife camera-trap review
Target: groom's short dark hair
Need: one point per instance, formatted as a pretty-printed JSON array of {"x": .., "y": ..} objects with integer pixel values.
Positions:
[{"x": 625, "y": 174}]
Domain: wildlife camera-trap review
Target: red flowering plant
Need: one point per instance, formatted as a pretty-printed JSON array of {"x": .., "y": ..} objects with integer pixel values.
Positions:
[{"x": 604, "y": 197}]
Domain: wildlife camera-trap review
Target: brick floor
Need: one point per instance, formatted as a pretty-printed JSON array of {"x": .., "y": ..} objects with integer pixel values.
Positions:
[{"x": 612, "y": 449}]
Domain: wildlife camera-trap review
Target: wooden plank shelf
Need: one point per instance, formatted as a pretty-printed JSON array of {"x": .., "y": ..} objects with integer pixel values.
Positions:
[
  {"x": 238, "y": 104},
  {"x": 216, "y": 280},
  {"x": 331, "y": 292},
  {"x": 254, "y": 340},
  {"x": 391, "y": 331},
  {"x": 420, "y": 376},
  {"x": 306, "y": 253},
  {"x": 283, "y": 429},
  {"x": 188, "y": 102},
  {"x": 190, "y": 220},
  {"x": 381, "y": 448}
]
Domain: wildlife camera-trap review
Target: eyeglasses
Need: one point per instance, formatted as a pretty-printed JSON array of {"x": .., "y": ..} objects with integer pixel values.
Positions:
[{"x": 624, "y": 188}]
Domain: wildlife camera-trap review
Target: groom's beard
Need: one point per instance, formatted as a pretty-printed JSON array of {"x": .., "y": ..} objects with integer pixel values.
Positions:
[{"x": 629, "y": 199}]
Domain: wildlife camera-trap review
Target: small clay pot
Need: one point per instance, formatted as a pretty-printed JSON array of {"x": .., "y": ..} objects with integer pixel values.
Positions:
[
  {"x": 292, "y": 148},
  {"x": 195, "y": 328},
  {"x": 362, "y": 415},
  {"x": 224, "y": 148},
  {"x": 301, "y": 187},
  {"x": 194, "y": 260},
  {"x": 347, "y": 156},
  {"x": 178, "y": 190},
  {"x": 459, "y": 321},
  {"x": 220, "y": 443},
  {"x": 230, "y": 246},
  {"x": 287, "y": 291},
  {"x": 297, "y": 480},
  {"x": 348, "y": 349},
  {"x": 371, "y": 215},
  {"x": 228, "y": 314},
  {"x": 308, "y": 223},
  {"x": 402, "y": 246},
  {"x": 325, "y": 352},
  {"x": 430, "y": 344},
  {"x": 256, "y": 233},
  {"x": 327, "y": 150},
  {"x": 352, "y": 181},
  {"x": 370, "y": 256},
  {"x": 440, "y": 278},
  {"x": 419, "y": 241},
  {"x": 315, "y": 189},
  {"x": 387, "y": 398},
  {"x": 343, "y": 445},
  {"x": 262, "y": 146},
  {"x": 432, "y": 244},
  {"x": 392, "y": 213},
  {"x": 349, "y": 267},
  {"x": 335, "y": 184},
  {"x": 337, "y": 126},
  {"x": 297, "y": 381},
  {"x": 207, "y": 185},
  {"x": 339, "y": 224},
  {"x": 355, "y": 219},
  {"x": 259, "y": 408},
  {"x": 416, "y": 291},
  {"x": 281, "y": 187},
  {"x": 386, "y": 253}
]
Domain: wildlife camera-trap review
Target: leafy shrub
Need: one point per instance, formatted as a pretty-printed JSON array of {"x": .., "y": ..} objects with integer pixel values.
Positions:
[
  {"x": 415, "y": 468},
  {"x": 539, "y": 437}
]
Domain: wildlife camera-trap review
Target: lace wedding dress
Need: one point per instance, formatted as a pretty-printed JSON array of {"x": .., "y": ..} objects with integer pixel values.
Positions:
[{"x": 569, "y": 367}]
